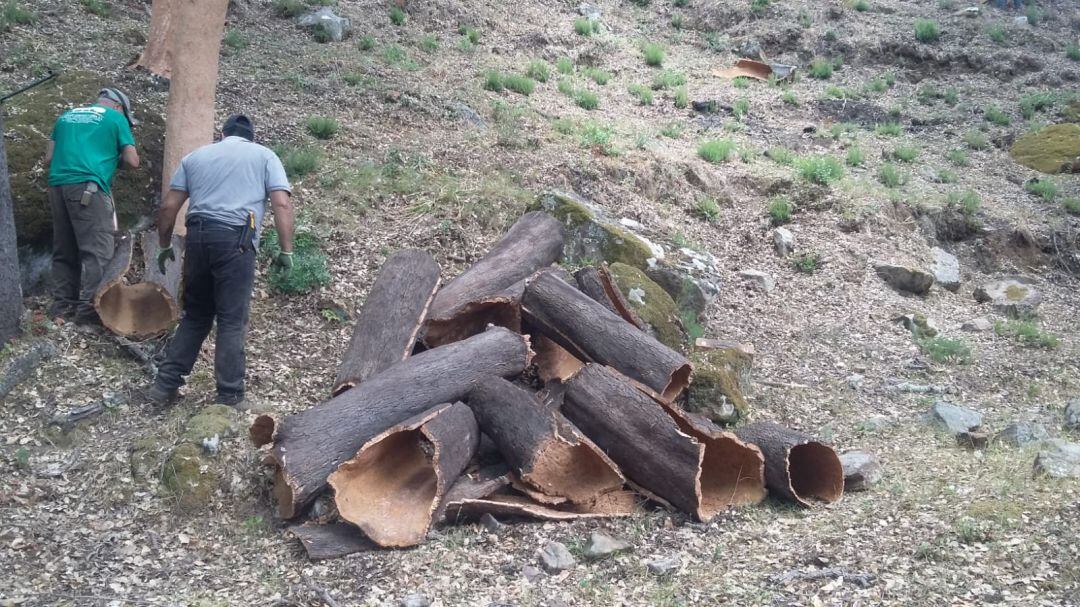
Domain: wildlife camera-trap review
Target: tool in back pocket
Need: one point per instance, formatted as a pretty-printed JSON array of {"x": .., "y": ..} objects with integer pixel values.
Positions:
[
  {"x": 246, "y": 232},
  {"x": 88, "y": 193}
]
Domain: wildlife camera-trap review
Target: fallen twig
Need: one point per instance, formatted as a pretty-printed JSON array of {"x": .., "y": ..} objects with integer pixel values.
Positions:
[{"x": 323, "y": 593}]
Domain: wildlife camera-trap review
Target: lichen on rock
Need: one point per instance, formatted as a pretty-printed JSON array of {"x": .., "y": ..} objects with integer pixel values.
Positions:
[
  {"x": 721, "y": 382},
  {"x": 189, "y": 476},
  {"x": 1048, "y": 149},
  {"x": 213, "y": 420},
  {"x": 590, "y": 238},
  {"x": 651, "y": 303}
]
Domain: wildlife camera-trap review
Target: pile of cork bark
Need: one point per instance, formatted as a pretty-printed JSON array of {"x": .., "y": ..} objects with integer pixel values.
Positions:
[{"x": 517, "y": 390}]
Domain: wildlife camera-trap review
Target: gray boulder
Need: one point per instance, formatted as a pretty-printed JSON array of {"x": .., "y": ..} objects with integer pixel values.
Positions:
[
  {"x": 977, "y": 325},
  {"x": 1022, "y": 433},
  {"x": 861, "y": 470},
  {"x": 759, "y": 280},
  {"x": 783, "y": 242},
  {"x": 664, "y": 566},
  {"x": 1014, "y": 296},
  {"x": 416, "y": 600},
  {"x": 957, "y": 420},
  {"x": 601, "y": 545},
  {"x": 337, "y": 28},
  {"x": 946, "y": 269},
  {"x": 903, "y": 278},
  {"x": 1058, "y": 459},
  {"x": 1072, "y": 414},
  {"x": 554, "y": 557}
]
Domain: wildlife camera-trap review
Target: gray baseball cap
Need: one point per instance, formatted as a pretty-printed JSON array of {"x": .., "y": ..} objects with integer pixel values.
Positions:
[{"x": 117, "y": 96}]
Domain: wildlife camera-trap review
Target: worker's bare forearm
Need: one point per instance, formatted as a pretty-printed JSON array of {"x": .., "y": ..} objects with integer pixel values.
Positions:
[
  {"x": 170, "y": 206},
  {"x": 284, "y": 218}
]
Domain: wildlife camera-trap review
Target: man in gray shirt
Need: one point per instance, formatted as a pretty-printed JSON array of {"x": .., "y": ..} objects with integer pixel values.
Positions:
[{"x": 226, "y": 185}]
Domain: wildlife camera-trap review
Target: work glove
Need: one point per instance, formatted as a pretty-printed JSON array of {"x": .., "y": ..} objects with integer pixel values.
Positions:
[
  {"x": 283, "y": 263},
  {"x": 163, "y": 256}
]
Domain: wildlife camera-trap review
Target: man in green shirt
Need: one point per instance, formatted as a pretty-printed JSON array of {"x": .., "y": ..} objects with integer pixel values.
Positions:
[{"x": 86, "y": 147}]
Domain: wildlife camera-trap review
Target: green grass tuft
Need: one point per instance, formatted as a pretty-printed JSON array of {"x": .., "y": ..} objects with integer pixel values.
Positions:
[
  {"x": 288, "y": 8},
  {"x": 958, "y": 157},
  {"x": 564, "y": 65},
  {"x": 945, "y": 176},
  {"x": 538, "y": 70},
  {"x": 322, "y": 127},
  {"x": 806, "y": 263},
  {"x": 309, "y": 269},
  {"x": 519, "y": 84},
  {"x": 654, "y": 54},
  {"x": 781, "y": 155},
  {"x": 642, "y": 93},
  {"x": 716, "y": 150},
  {"x": 235, "y": 40},
  {"x": 890, "y": 176},
  {"x": 1044, "y": 188},
  {"x": 586, "y": 27},
  {"x": 669, "y": 79},
  {"x": 855, "y": 156},
  {"x": 997, "y": 34},
  {"x": 586, "y": 99},
  {"x": 672, "y": 131},
  {"x": 366, "y": 42},
  {"x": 298, "y": 161},
  {"x": 927, "y": 30},
  {"x": 398, "y": 16},
  {"x": 945, "y": 350},
  {"x": 967, "y": 202},
  {"x": 97, "y": 7},
  {"x": 1073, "y": 52},
  {"x": 598, "y": 137},
  {"x": 1071, "y": 206},
  {"x": 821, "y": 68},
  {"x": 779, "y": 210},
  {"x": 741, "y": 108},
  {"x": 470, "y": 33},
  {"x": 494, "y": 81},
  {"x": 429, "y": 44},
  {"x": 789, "y": 98},
  {"x": 682, "y": 97},
  {"x": 892, "y": 129},
  {"x": 597, "y": 75},
  {"x": 708, "y": 209},
  {"x": 819, "y": 169},
  {"x": 1027, "y": 333},
  {"x": 905, "y": 153},
  {"x": 861, "y": 6},
  {"x": 994, "y": 115}
]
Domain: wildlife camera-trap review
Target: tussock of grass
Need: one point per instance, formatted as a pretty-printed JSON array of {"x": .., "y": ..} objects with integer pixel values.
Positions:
[
  {"x": 821, "y": 68},
  {"x": 892, "y": 129},
  {"x": 494, "y": 81},
  {"x": 322, "y": 127},
  {"x": 519, "y": 84},
  {"x": 599, "y": 137},
  {"x": 597, "y": 75},
  {"x": 682, "y": 97},
  {"x": 1027, "y": 333},
  {"x": 741, "y": 108},
  {"x": 927, "y": 30},
  {"x": 994, "y": 115},
  {"x": 564, "y": 66},
  {"x": 717, "y": 150},
  {"x": 781, "y": 155},
  {"x": 855, "y": 156},
  {"x": 366, "y": 42},
  {"x": 967, "y": 202},
  {"x": 708, "y": 209},
  {"x": 779, "y": 210},
  {"x": 586, "y": 27},
  {"x": 1071, "y": 206},
  {"x": 643, "y": 94},
  {"x": 905, "y": 153},
  {"x": 942, "y": 349},
  {"x": 958, "y": 157},
  {"x": 309, "y": 270},
  {"x": 669, "y": 79},
  {"x": 398, "y": 16},
  {"x": 298, "y": 161},
  {"x": 806, "y": 263},
  {"x": 890, "y": 176},
  {"x": 819, "y": 169},
  {"x": 975, "y": 140},
  {"x": 586, "y": 99},
  {"x": 654, "y": 54},
  {"x": 1044, "y": 188},
  {"x": 538, "y": 70}
]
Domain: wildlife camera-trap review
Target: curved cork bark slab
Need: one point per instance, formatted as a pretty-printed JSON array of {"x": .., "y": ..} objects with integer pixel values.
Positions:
[
  {"x": 488, "y": 292},
  {"x": 597, "y": 283},
  {"x": 140, "y": 309},
  {"x": 553, "y": 362},
  {"x": 796, "y": 466},
  {"x": 330, "y": 541},
  {"x": 309, "y": 445},
  {"x": 593, "y": 333},
  {"x": 505, "y": 506},
  {"x": 395, "y": 484},
  {"x": 391, "y": 318},
  {"x": 548, "y": 454}
]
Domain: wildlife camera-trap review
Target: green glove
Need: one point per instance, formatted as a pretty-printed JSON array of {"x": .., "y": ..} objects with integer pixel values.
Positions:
[
  {"x": 164, "y": 255},
  {"x": 284, "y": 263}
]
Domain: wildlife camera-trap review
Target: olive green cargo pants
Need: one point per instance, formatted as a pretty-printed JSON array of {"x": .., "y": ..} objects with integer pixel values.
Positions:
[{"x": 83, "y": 243}]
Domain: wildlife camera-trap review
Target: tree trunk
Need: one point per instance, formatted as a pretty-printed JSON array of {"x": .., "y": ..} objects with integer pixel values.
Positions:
[
  {"x": 544, "y": 450},
  {"x": 396, "y": 483},
  {"x": 195, "y": 49},
  {"x": 391, "y": 317},
  {"x": 609, "y": 505},
  {"x": 488, "y": 292},
  {"x": 156, "y": 58},
  {"x": 796, "y": 466},
  {"x": 11, "y": 303},
  {"x": 592, "y": 333},
  {"x": 330, "y": 541},
  {"x": 309, "y": 445},
  {"x": 598, "y": 284},
  {"x": 140, "y": 309}
]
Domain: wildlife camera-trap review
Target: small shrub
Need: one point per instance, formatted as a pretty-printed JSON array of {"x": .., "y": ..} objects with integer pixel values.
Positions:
[
  {"x": 654, "y": 54},
  {"x": 677, "y": 21},
  {"x": 905, "y": 153},
  {"x": 396, "y": 55},
  {"x": 997, "y": 34},
  {"x": 975, "y": 140},
  {"x": 597, "y": 75},
  {"x": 890, "y": 176},
  {"x": 1071, "y": 205},
  {"x": 519, "y": 84},
  {"x": 586, "y": 27},
  {"x": 309, "y": 269},
  {"x": 819, "y": 169},
  {"x": 538, "y": 70},
  {"x": 235, "y": 40},
  {"x": 1033, "y": 14},
  {"x": 830, "y": 36},
  {"x": 806, "y": 263},
  {"x": 855, "y": 157},
  {"x": 951, "y": 96},
  {"x": 1073, "y": 52},
  {"x": 598, "y": 137},
  {"x": 779, "y": 210},
  {"x": 1036, "y": 102},
  {"x": 758, "y": 7},
  {"x": 861, "y": 6},
  {"x": 1044, "y": 188},
  {"x": 804, "y": 19},
  {"x": 398, "y": 16},
  {"x": 429, "y": 44},
  {"x": 366, "y": 42},
  {"x": 642, "y": 93},
  {"x": 564, "y": 65},
  {"x": 566, "y": 87},
  {"x": 877, "y": 85},
  {"x": 958, "y": 157},
  {"x": 494, "y": 81},
  {"x": 469, "y": 33},
  {"x": 297, "y": 161},
  {"x": 967, "y": 202},
  {"x": 821, "y": 69},
  {"x": 682, "y": 97},
  {"x": 708, "y": 209},
  {"x": 586, "y": 99},
  {"x": 97, "y": 7},
  {"x": 892, "y": 129},
  {"x": 945, "y": 350},
  {"x": 789, "y": 98},
  {"x": 322, "y": 127},
  {"x": 672, "y": 131},
  {"x": 741, "y": 82},
  {"x": 288, "y": 8},
  {"x": 716, "y": 150},
  {"x": 781, "y": 155},
  {"x": 355, "y": 78},
  {"x": 741, "y": 108},
  {"x": 669, "y": 79},
  {"x": 994, "y": 115},
  {"x": 1027, "y": 333},
  {"x": 945, "y": 176},
  {"x": 927, "y": 30}
]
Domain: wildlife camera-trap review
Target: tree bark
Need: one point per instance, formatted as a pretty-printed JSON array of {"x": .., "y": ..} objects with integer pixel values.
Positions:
[
  {"x": 195, "y": 49},
  {"x": 488, "y": 292},
  {"x": 397, "y": 481},
  {"x": 592, "y": 333},
  {"x": 544, "y": 450},
  {"x": 11, "y": 303},
  {"x": 391, "y": 317},
  {"x": 477, "y": 485},
  {"x": 330, "y": 541},
  {"x": 609, "y": 505},
  {"x": 309, "y": 445},
  {"x": 22, "y": 365},
  {"x": 140, "y": 309},
  {"x": 796, "y": 466},
  {"x": 156, "y": 58},
  {"x": 553, "y": 362},
  {"x": 596, "y": 282}
]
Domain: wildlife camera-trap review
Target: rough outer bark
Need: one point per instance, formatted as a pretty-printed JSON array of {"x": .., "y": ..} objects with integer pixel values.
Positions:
[
  {"x": 156, "y": 58},
  {"x": 21, "y": 366},
  {"x": 330, "y": 541},
  {"x": 596, "y": 282},
  {"x": 547, "y": 453},
  {"x": 11, "y": 304},
  {"x": 641, "y": 437},
  {"x": 309, "y": 445},
  {"x": 593, "y": 333},
  {"x": 396, "y": 483},
  {"x": 140, "y": 309},
  {"x": 488, "y": 292},
  {"x": 195, "y": 49},
  {"x": 391, "y": 317},
  {"x": 609, "y": 505},
  {"x": 796, "y": 466}
]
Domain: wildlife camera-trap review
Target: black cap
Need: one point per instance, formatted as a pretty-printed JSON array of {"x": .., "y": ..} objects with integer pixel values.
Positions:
[{"x": 240, "y": 126}]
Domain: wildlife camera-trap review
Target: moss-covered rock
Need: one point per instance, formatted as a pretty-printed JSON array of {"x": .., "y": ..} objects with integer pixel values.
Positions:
[
  {"x": 721, "y": 381},
  {"x": 1048, "y": 149},
  {"x": 651, "y": 303},
  {"x": 28, "y": 122},
  {"x": 213, "y": 420},
  {"x": 146, "y": 456},
  {"x": 189, "y": 476},
  {"x": 589, "y": 237}
]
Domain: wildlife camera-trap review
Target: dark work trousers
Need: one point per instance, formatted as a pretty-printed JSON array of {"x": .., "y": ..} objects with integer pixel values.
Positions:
[
  {"x": 219, "y": 272},
  {"x": 83, "y": 243}
]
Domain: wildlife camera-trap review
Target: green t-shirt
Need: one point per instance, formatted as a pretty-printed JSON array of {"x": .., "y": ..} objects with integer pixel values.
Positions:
[{"x": 88, "y": 141}]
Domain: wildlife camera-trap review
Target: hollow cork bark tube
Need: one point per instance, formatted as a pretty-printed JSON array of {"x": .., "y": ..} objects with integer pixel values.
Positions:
[
  {"x": 393, "y": 487},
  {"x": 391, "y": 317},
  {"x": 797, "y": 467},
  {"x": 139, "y": 309},
  {"x": 597, "y": 283}
]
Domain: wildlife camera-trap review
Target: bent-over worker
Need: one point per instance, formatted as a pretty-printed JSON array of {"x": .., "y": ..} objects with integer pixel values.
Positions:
[
  {"x": 86, "y": 147},
  {"x": 226, "y": 185}
]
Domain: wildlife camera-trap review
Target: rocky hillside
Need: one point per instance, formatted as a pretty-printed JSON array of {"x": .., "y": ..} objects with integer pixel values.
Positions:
[{"x": 856, "y": 225}]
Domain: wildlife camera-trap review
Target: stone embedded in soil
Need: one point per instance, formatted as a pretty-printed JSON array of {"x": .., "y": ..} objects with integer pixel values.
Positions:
[
  {"x": 946, "y": 269},
  {"x": 589, "y": 236},
  {"x": 954, "y": 418},
  {"x": 189, "y": 476},
  {"x": 212, "y": 421},
  {"x": 687, "y": 292},
  {"x": 337, "y": 28},
  {"x": 1049, "y": 149},
  {"x": 416, "y": 600},
  {"x": 1020, "y": 434},
  {"x": 759, "y": 280},
  {"x": 1072, "y": 415},
  {"x": 531, "y": 574},
  {"x": 721, "y": 383},
  {"x": 664, "y": 566},
  {"x": 1015, "y": 296},
  {"x": 651, "y": 303},
  {"x": 491, "y": 523},
  {"x": 601, "y": 545},
  {"x": 918, "y": 324},
  {"x": 977, "y": 325},
  {"x": 554, "y": 557},
  {"x": 973, "y": 439},
  {"x": 861, "y": 470},
  {"x": 1058, "y": 458},
  {"x": 903, "y": 278},
  {"x": 783, "y": 242}
]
